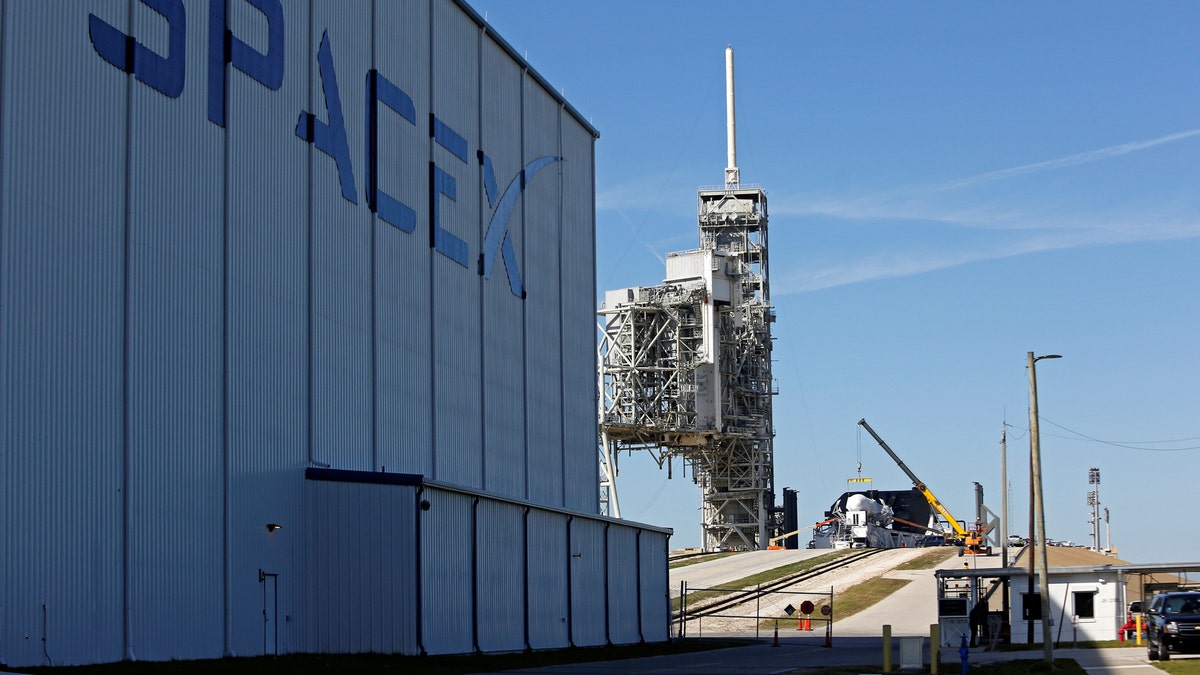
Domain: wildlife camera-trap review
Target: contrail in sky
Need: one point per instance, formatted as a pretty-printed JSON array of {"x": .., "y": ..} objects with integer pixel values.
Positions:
[{"x": 1070, "y": 160}]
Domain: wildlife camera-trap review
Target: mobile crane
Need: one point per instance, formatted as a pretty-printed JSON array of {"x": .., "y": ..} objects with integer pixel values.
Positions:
[{"x": 973, "y": 540}]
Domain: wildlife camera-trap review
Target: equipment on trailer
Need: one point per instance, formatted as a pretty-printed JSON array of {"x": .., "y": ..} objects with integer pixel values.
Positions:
[{"x": 974, "y": 541}]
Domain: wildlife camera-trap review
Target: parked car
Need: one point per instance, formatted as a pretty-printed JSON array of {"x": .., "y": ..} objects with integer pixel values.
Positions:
[
  {"x": 933, "y": 540},
  {"x": 1172, "y": 624}
]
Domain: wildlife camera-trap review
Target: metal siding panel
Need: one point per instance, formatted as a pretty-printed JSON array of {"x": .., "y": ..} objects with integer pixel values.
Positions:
[
  {"x": 341, "y": 249},
  {"x": 363, "y": 579},
  {"x": 175, "y": 335},
  {"x": 446, "y": 607},
  {"x": 623, "y": 573},
  {"x": 502, "y": 315},
  {"x": 61, "y": 400},
  {"x": 403, "y": 265},
  {"x": 653, "y": 578},
  {"x": 588, "y": 566},
  {"x": 456, "y": 296},
  {"x": 268, "y": 336},
  {"x": 548, "y": 586},
  {"x": 500, "y": 569},
  {"x": 578, "y": 318},
  {"x": 542, "y": 308}
]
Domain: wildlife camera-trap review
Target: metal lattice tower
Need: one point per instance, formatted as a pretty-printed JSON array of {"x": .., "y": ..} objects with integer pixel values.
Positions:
[{"x": 685, "y": 367}]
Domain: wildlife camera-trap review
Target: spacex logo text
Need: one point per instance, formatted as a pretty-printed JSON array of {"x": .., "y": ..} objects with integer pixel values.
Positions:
[{"x": 167, "y": 75}]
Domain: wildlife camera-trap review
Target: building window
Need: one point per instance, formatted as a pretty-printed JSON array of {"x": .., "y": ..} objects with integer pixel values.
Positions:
[{"x": 1085, "y": 604}]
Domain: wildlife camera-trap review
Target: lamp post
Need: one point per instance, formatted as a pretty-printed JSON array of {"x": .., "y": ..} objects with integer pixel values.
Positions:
[{"x": 1035, "y": 461}]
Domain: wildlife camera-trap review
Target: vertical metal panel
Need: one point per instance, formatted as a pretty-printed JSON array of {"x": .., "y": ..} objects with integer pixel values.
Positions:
[
  {"x": 175, "y": 192},
  {"x": 233, "y": 345},
  {"x": 446, "y": 573},
  {"x": 543, "y": 336},
  {"x": 341, "y": 246},
  {"x": 548, "y": 589},
  {"x": 653, "y": 579},
  {"x": 362, "y": 580},
  {"x": 268, "y": 337},
  {"x": 500, "y": 570},
  {"x": 578, "y": 320},
  {"x": 61, "y": 333},
  {"x": 588, "y": 598},
  {"x": 402, "y": 259},
  {"x": 623, "y": 576},
  {"x": 456, "y": 297},
  {"x": 502, "y": 313}
]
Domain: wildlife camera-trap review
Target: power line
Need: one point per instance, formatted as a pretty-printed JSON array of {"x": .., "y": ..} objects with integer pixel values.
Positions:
[{"x": 1129, "y": 445}]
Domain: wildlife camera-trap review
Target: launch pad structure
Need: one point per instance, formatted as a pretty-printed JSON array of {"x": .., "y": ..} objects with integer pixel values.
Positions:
[{"x": 685, "y": 367}]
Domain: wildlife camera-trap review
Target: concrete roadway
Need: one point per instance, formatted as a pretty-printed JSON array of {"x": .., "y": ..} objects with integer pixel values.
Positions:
[
  {"x": 912, "y": 609},
  {"x": 801, "y": 653}
]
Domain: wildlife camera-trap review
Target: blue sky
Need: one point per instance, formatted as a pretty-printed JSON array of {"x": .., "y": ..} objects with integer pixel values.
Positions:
[{"x": 950, "y": 185}]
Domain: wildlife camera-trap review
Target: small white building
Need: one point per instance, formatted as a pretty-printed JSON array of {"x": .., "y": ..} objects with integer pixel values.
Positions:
[{"x": 1088, "y": 601}]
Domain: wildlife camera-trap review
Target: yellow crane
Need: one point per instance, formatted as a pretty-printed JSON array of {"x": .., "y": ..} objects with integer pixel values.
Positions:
[{"x": 973, "y": 540}]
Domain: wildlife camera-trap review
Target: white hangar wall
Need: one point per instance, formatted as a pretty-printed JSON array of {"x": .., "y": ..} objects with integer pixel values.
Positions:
[{"x": 240, "y": 239}]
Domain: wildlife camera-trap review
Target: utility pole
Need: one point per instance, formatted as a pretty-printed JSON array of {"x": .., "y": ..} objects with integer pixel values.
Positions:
[
  {"x": 1094, "y": 502},
  {"x": 1035, "y": 458},
  {"x": 1004, "y": 609}
]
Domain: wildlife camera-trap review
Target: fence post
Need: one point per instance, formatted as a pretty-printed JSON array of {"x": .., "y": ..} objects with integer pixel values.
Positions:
[
  {"x": 887, "y": 648},
  {"x": 935, "y": 647}
]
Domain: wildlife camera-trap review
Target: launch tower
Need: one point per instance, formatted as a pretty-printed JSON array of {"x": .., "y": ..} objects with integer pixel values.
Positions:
[{"x": 685, "y": 367}]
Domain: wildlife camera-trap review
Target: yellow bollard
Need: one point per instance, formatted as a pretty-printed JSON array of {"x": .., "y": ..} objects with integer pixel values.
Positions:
[
  {"x": 1137, "y": 627},
  {"x": 887, "y": 648},
  {"x": 935, "y": 647}
]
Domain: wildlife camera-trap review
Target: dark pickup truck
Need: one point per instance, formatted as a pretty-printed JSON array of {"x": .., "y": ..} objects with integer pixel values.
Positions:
[{"x": 1172, "y": 624}]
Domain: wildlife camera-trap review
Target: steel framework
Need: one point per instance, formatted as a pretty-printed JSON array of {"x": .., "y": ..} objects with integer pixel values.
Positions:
[{"x": 685, "y": 371}]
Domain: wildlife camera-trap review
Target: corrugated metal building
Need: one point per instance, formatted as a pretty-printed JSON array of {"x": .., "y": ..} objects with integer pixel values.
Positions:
[{"x": 296, "y": 340}]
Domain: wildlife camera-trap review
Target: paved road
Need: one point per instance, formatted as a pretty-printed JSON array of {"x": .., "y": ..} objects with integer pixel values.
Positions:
[{"x": 796, "y": 653}]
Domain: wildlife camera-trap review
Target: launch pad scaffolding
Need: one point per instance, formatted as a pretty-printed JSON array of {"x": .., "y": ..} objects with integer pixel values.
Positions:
[{"x": 685, "y": 370}]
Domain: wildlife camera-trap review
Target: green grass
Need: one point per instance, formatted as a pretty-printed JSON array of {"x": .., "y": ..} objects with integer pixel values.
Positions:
[
  {"x": 372, "y": 664},
  {"x": 930, "y": 558},
  {"x": 1176, "y": 667},
  {"x": 700, "y": 559}
]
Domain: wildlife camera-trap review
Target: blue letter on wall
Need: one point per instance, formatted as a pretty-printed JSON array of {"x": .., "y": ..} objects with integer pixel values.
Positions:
[
  {"x": 330, "y": 138},
  {"x": 497, "y": 238},
  {"x": 380, "y": 90},
  {"x": 164, "y": 75},
  {"x": 442, "y": 183},
  {"x": 223, "y": 47}
]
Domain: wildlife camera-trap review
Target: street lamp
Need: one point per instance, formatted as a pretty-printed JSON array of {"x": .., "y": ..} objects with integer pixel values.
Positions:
[{"x": 1035, "y": 462}]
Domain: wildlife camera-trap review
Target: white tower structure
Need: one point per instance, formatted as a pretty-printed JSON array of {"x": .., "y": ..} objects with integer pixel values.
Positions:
[{"x": 685, "y": 367}]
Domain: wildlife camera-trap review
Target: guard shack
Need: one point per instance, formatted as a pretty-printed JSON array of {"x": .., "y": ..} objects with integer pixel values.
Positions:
[{"x": 1087, "y": 602}]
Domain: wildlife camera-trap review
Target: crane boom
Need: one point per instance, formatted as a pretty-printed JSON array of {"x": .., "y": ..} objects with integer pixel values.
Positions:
[{"x": 917, "y": 483}]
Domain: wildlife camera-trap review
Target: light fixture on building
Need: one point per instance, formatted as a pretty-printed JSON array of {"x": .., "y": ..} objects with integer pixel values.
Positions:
[{"x": 271, "y": 527}]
